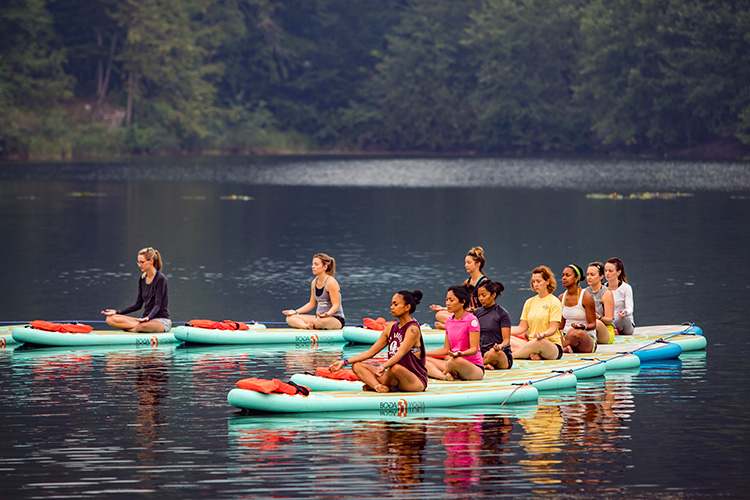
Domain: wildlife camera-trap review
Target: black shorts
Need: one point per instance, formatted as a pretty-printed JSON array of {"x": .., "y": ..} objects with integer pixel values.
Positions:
[
  {"x": 341, "y": 320},
  {"x": 559, "y": 351}
]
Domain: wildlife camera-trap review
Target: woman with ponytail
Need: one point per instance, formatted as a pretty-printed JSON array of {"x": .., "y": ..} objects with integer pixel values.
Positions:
[
  {"x": 152, "y": 297},
  {"x": 474, "y": 265},
  {"x": 405, "y": 369},
  {"x": 325, "y": 298}
]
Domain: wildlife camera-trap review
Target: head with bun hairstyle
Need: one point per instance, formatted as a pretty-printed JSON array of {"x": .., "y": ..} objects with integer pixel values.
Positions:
[
  {"x": 477, "y": 255},
  {"x": 412, "y": 299}
]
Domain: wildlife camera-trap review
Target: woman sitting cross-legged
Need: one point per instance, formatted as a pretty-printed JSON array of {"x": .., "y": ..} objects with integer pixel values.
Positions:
[
  {"x": 461, "y": 356},
  {"x": 405, "y": 369}
]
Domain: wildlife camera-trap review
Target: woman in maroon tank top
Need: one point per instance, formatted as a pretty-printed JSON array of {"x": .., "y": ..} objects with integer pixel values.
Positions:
[{"x": 405, "y": 369}]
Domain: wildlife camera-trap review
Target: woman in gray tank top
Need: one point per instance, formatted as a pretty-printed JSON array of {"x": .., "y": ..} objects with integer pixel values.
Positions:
[
  {"x": 603, "y": 301},
  {"x": 325, "y": 299}
]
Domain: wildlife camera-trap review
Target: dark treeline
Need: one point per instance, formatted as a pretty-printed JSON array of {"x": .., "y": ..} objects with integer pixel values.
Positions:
[{"x": 110, "y": 77}]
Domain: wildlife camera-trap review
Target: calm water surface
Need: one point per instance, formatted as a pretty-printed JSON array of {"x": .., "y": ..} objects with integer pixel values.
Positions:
[{"x": 237, "y": 236}]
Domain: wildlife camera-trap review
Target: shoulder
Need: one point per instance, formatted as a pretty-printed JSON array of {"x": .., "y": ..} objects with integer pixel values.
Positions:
[
  {"x": 471, "y": 320},
  {"x": 331, "y": 282}
]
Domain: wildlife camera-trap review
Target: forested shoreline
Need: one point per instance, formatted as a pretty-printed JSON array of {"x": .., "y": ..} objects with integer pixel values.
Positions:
[{"x": 108, "y": 78}]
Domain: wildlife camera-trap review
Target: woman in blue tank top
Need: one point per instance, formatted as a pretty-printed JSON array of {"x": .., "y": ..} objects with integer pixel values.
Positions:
[
  {"x": 325, "y": 298},
  {"x": 405, "y": 369}
]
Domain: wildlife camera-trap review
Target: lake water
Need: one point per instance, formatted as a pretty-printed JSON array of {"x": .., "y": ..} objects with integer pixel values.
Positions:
[{"x": 237, "y": 236}]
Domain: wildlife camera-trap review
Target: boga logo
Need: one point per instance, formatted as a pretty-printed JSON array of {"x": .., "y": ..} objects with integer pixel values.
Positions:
[
  {"x": 402, "y": 405},
  {"x": 154, "y": 341},
  {"x": 314, "y": 339}
]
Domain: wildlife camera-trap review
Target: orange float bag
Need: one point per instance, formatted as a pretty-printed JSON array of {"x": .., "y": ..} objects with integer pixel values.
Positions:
[
  {"x": 344, "y": 374},
  {"x": 219, "y": 325},
  {"x": 374, "y": 324},
  {"x": 272, "y": 386},
  {"x": 48, "y": 326}
]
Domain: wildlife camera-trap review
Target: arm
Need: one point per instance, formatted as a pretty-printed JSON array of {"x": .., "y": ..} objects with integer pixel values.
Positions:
[
  {"x": 555, "y": 318},
  {"x": 506, "y": 338},
  {"x": 378, "y": 346},
  {"x": 473, "y": 345},
  {"x": 521, "y": 329},
  {"x": 629, "y": 301},
  {"x": 590, "y": 307},
  {"x": 608, "y": 302},
  {"x": 138, "y": 302},
  {"x": 441, "y": 351},
  {"x": 307, "y": 307},
  {"x": 334, "y": 292},
  {"x": 562, "y": 320}
]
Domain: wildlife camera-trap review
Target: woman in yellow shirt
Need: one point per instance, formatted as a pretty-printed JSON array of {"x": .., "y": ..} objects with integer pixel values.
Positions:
[{"x": 540, "y": 320}]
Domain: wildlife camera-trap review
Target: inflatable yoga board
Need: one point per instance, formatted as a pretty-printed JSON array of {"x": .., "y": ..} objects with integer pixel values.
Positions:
[
  {"x": 6, "y": 336},
  {"x": 359, "y": 335},
  {"x": 257, "y": 336},
  {"x": 690, "y": 337},
  {"x": 547, "y": 375},
  {"x": 397, "y": 402},
  {"x": 97, "y": 337}
]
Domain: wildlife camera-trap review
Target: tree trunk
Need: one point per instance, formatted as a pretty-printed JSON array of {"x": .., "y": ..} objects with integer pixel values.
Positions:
[
  {"x": 99, "y": 67},
  {"x": 131, "y": 89},
  {"x": 105, "y": 84}
]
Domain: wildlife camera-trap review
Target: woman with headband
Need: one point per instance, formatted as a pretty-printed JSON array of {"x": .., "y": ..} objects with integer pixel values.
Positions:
[
  {"x": 578, "y": 313},
  {"x": 604, "y": 303}
]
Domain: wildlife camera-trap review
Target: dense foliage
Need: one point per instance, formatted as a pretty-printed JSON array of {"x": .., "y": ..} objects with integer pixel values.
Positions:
[{"x": 109, "y": 77}]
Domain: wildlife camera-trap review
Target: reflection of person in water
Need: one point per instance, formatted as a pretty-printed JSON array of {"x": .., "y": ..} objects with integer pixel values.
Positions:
[
  {"x": 543, "y": 445},
  {"x": 405, "y": 444},
  {"x": 463, "y": 445},
  {"x": 151, "y": 389}
]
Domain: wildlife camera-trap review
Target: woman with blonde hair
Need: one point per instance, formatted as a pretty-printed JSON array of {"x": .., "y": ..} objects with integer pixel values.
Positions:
[
  {"x": 152, "y": 297},
  {"x": 325, "y": 298},
  {"x": 474, "y": 265}
]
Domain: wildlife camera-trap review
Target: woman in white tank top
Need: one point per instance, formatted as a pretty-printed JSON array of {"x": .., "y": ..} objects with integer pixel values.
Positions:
[{"x": 578, "y": 313}]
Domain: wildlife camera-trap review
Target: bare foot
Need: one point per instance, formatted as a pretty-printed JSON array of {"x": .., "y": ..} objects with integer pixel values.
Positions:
[
  {"x": 489, "y": 367},
  {"x": 535, "y": 357},
  {"x": 568, "y": 349},
  {"x": 366, "y": 387},
  {"x": 448, "y": 377},
  {"x": 382, "y": 388}
]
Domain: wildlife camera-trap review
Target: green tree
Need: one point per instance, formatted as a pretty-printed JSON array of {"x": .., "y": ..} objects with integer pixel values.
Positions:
[
  {"x": 170, "y": 73},
  {"x": 664, "y": 73},
  {"x": 417, "y": 98},
  {"x": 32, "y": 77},
  {"x": 527, "y": 56}
]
